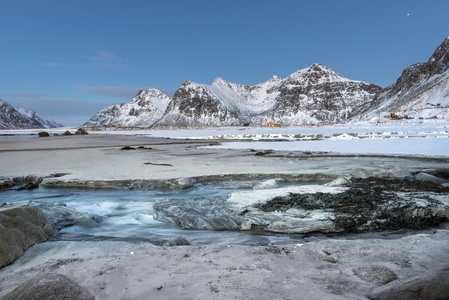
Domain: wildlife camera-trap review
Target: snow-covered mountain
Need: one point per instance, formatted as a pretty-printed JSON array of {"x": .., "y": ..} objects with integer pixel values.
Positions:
[
  {"x": 143, "y": 110},
  {"x": 421, "y": 91},
  {"x": 311, "y": 95},
  {"x": 318, "y": 94},
  {"x": 315, "y": 94},
  {"x": 221, "y": 103},
  {"x": 21, "y": 118}
]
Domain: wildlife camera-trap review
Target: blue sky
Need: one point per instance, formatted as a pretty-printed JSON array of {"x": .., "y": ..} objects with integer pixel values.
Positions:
[{"x": 68, "y": 59}]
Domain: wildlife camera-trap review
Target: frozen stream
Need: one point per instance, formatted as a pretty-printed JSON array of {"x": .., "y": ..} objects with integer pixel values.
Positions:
[{"x": 128, "y": 215}]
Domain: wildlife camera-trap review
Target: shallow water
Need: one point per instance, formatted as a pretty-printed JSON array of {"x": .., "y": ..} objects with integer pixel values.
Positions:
[{"x": 128, "y": 215}]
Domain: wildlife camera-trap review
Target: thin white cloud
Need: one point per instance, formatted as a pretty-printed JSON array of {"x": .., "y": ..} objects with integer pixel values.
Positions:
[
  {"x": 103, "y": 59},
  {"x": 22, "y": 94},
  {"x": 113, "y": 91},
  {"x": 97, "y": 59},
  {"x": 101, "y": 55}
]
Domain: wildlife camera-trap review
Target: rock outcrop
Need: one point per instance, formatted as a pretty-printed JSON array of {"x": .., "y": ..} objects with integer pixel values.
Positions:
[
  {"x": 49, "y": 286},
  {"x": 80, "y": 131},
  {"x": 430, "y": 285},
  {"x": 21, "y": 228},
  {"x": 370, "y": 204}
]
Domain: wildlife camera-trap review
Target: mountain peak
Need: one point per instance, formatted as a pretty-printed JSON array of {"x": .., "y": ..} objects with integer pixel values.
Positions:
[
  {"x": 275, "y": 78},
  {"x": 315, "y": 74},
  {"x": 220, "y": 81}
]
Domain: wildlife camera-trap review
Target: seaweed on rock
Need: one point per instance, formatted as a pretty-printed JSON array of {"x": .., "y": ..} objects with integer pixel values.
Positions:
[{"x": 365, "y": 206}]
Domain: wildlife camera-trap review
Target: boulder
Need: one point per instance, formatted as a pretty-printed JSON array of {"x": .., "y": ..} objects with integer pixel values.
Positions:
[
  {"x": 43, "y": 134},
  {"x": 80, "y": 131},
  {"x": 430, "y": 285},
  {"x": 49, "y": 286},
  {"x": 67, "y": 133},
  {"x": 21, "y": 228}
]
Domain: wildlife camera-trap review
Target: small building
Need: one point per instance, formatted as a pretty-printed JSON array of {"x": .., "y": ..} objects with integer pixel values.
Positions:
[{"x": 269, "y": 124}]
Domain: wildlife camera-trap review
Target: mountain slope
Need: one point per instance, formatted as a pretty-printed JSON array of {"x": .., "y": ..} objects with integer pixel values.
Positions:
[
  {"x": 311, "y": 95},
  {"x": 318, "y": 94},
  {"x": 421, "y": 91},
  {"x": 21, "y": 118},
  {"x": 143, "y": 110},
  {"x": 43, "y": 121},
  {"x": 221, "y": 103}
]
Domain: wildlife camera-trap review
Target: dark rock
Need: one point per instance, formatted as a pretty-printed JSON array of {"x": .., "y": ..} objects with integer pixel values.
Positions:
[
  {"x": 442, "y": 173},
  {"x": 21, "y": 228},
  {"x": 430, "y": 285},
  {"x": 29, "y": 186},
  {"x": 6, "y": 183},
  {"x": 154, "y": 164},
  {"x": 80, "y": 131},
  {"x": 49, "y": 286},
  {"x": 67, "y": 133},
  {"x": 128, "y": 148},
  {"x": 43, "y": 134},
  {"x": 262, "y": 153},
  {"x": 366, "y": 206}
]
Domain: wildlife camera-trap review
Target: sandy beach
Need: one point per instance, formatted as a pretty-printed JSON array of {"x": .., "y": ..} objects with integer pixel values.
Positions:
[{"x": 334, "y": 268}]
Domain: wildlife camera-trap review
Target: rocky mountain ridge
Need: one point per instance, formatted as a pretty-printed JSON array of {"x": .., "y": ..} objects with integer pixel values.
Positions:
[
  {"x": 313, "y": 95},
  {"x": 144, "y": 109},
  {"x": 20, "y": 118},
  {"x": 316, "y": 94},
  {"x": 421, "y": 91}
]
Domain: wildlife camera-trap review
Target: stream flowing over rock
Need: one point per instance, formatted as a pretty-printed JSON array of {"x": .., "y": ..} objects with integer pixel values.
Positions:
[{"x": 371, "y": 204}]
